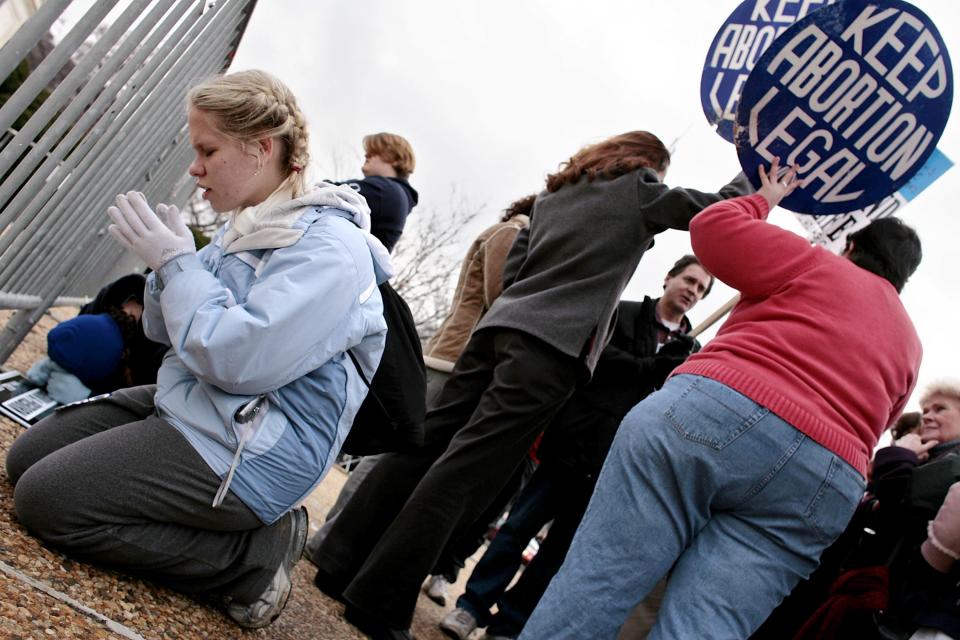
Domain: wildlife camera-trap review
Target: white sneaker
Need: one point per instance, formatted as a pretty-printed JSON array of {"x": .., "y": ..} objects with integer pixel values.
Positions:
[
  {"x": 436, "y": 589},
  {"x": 268, "y": 607},
  {"x": 458, "y": 624}
]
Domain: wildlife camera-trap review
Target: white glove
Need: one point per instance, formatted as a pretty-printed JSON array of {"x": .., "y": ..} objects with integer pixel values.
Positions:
[{"x": 153, "y": 239}]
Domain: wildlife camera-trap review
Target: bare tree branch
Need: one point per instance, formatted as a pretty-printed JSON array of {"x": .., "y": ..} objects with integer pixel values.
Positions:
[
  {"x": 340, "y": 164},
  {"x": 428, "y": 257}
]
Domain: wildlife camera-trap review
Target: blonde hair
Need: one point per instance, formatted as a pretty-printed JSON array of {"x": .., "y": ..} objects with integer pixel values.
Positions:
[
  {"x": 947, "y": 388},
  {"x": 394, "y": 150},
  {"x": 252, "y": 105}
]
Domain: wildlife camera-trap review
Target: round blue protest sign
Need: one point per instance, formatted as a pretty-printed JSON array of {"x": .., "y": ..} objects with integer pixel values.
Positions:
[
  {"x": 746, "y": 34},
  {"x": 856, "y": 95}
]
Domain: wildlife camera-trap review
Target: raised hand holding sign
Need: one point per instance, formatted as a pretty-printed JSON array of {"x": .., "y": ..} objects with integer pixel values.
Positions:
[{"x": 777, "y": 185}]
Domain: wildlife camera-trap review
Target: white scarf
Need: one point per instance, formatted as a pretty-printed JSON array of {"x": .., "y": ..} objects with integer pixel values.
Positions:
[{"x": 270, "y": 224}]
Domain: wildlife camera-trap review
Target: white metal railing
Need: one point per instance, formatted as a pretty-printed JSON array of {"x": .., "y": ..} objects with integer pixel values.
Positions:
[{"x": 115, "y": 122}]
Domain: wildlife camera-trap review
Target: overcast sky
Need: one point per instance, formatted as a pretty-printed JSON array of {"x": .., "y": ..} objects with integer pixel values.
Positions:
[{"x": 493, "y": 95}]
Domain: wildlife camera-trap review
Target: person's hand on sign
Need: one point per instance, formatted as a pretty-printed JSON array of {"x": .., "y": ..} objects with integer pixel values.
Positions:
[
  {"x": 913, "y": 442},
  {"x": 774, "y": 188}
]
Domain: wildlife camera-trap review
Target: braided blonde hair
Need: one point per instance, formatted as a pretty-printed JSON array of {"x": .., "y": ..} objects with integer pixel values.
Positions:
[{"x": 252, "y": 105}]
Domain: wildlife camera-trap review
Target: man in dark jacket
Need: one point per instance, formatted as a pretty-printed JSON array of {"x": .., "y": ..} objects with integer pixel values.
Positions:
[
  {"x": 388, "y": 162},
  {"x": 648, "y": 341}
]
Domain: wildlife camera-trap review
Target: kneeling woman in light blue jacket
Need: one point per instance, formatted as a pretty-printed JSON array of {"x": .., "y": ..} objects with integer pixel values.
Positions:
[{"x": 193, "y": 482}]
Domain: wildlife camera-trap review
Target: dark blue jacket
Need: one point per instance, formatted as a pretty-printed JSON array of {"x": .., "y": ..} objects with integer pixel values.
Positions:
[
  {"x": 627, "y": 372},
  {"x": 390, "y": 201}
]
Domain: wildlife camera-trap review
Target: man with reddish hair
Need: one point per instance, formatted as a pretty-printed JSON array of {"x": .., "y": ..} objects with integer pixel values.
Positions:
[{"x": 388, "y": 163}]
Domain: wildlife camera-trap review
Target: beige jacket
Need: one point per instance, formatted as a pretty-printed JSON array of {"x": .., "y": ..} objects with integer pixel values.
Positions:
[{"x": 479, "y": 284}]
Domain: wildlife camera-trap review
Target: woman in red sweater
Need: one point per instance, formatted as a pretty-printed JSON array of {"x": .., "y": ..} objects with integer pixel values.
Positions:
[{"x": 750, "y": 460}]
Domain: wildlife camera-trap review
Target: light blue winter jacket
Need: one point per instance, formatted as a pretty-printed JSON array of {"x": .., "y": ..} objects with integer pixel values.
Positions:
[{"x": 275, "y": 322}]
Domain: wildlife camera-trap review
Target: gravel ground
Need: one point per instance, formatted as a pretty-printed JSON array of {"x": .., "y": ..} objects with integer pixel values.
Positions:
[{"x": 44, "y": 594}]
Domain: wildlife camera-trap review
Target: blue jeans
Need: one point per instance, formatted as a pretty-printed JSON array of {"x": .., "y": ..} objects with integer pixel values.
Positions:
[
  {"x": 544, "y": 498},
  {"x": 533, "y": 508},
  {"x": 704, "y": 480}
]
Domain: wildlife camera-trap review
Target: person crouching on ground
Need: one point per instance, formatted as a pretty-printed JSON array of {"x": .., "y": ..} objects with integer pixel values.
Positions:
[{"x": 193, "y": 482}]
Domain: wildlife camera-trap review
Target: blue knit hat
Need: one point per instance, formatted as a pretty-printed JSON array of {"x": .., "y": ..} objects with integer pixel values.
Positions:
[{"x": 88, "y": 346}]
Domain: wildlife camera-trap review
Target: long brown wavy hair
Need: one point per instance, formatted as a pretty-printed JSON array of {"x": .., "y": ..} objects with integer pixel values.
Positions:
[
  {"x": 613, "y": 158},
  {"x": 606, "y": 160}
]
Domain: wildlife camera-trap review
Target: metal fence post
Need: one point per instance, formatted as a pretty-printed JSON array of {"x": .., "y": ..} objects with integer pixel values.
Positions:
[{"x": 116, "y": 122}]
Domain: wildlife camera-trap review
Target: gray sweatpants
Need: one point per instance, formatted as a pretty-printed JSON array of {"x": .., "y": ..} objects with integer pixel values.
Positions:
[{"x": 113, "y": 483}]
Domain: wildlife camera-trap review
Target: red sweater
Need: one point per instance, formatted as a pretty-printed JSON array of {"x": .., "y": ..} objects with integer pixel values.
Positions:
[{"x": 822, "y": 343}]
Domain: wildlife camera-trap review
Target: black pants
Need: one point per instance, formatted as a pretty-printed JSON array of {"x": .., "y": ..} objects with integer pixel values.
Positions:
[
  {"x": 469, "y": 541},
  {"x": 113, "y": 483},
  {"x": 505, "y": 389},
  {"x": 556, "y": 492}
]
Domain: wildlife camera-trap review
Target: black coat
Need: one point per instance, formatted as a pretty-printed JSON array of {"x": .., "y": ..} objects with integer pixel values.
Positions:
[
  {"x": 626, "y": 373},
  {"x": 390, "y": 201},
  {"x": 910, "y": 494}
]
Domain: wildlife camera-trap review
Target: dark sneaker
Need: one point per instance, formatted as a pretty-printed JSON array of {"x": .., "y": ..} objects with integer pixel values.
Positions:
[
  {"x": 458, "y": 624},
  {"x": 268, "y": 607},
  {"x": 313, "y": 544},
  {"x": 372, "y": 627},
  {"x": 436, "y": 589},
  {"x": 330, "y": 586}
]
